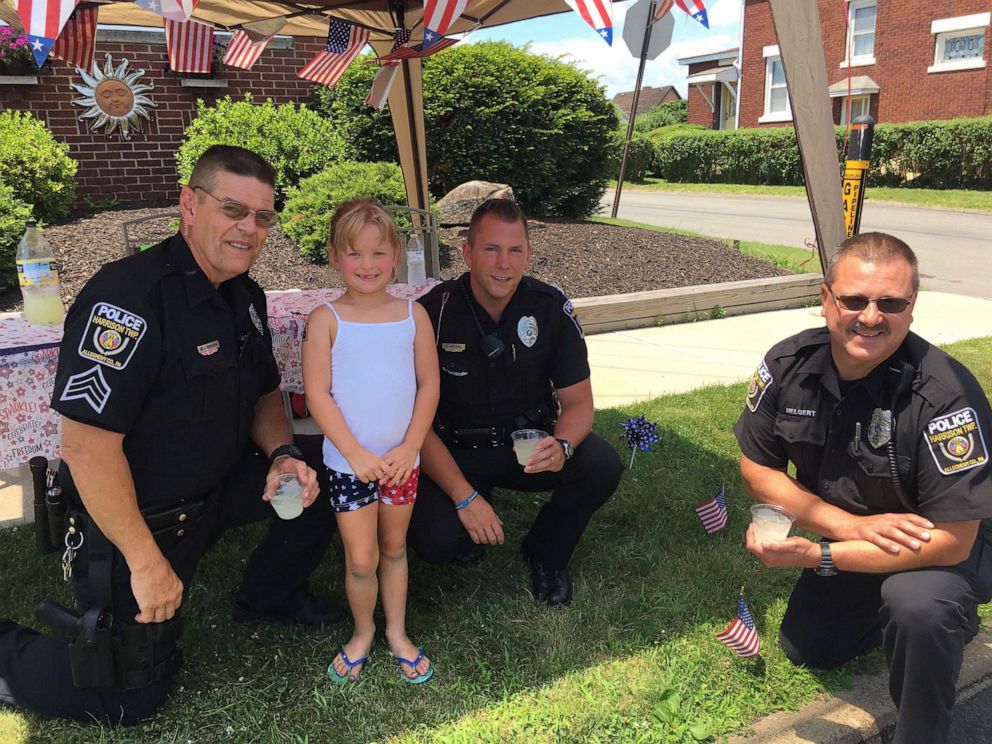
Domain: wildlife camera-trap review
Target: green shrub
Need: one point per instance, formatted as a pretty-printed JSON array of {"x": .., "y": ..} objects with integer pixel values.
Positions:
[
  {"x": 36, "y": 166},
  {"x": 498, "y": 113},
  {"x": 14, "y": 216},
  {"x": 310, "y": 206},
  {"x": 664, "y": 115},
  {"x": 757, "y": 156},
  {"x": 296, "y": 141},
  {"x": 640, "y": 156}
]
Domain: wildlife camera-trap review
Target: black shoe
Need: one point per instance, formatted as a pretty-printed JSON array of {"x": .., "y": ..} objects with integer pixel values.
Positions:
[
  {"x": 313, "y": 612},
  {"x": 468, "y": 555},
  {"x": 550, "y": 584}
]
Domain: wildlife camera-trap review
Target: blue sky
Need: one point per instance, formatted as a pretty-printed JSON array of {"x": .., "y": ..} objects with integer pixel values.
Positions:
[{"x": 567, "y": 34}]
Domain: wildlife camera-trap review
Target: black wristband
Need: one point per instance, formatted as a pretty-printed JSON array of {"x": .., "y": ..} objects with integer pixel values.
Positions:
[{"x": 286, "y": 449}]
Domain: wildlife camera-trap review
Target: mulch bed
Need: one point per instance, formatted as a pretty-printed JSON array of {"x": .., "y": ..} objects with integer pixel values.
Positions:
[{"x": 585, "y": 259}]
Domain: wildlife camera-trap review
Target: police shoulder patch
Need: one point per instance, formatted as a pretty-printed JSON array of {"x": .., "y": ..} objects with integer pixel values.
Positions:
[
  {"x": 569, "y": 309},
  {"x": 956, "y": 441},
  {"x": 111, "y": 335},
  {"x": 761, "y": 380}
]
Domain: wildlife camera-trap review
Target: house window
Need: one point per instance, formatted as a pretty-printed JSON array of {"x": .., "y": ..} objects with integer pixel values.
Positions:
[
  {"x": 777, "y": 106},
  {"x": 859, "y": 107},
  {"x": 860, "y": 33},
  {"x": 960, "y": 43}
]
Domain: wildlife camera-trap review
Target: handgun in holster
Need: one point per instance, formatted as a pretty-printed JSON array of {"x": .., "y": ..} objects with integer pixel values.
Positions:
[{"x": 104, "y": 655}]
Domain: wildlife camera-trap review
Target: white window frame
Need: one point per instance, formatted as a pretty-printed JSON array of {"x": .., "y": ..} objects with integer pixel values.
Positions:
[
  {"x": 946, "y": 28},
  {"x": 843, "y": 106},
  {"x": 772, "y": 55},
  {"x": 865, "y": 59}
]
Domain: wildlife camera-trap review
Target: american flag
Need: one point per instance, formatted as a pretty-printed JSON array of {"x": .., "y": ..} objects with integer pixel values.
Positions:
[
  {"x": 598, "y": 14},
  {"x": 190, "y": 45},
  {"x": 661, "y": 9},
  {"x": 242, "y": 52},
  {"x": 438, "y": 17},
  {"x": 419, "y": 51},
  {"x": 43, "y": 21},
  {"x": 400, "y": 38},
  {"x": 381, "y": 85},
  {"x": 741, "y": 635},
  {"x": 344, "y": 42},
  {"x": 713, "y": 512},
  {"x": 696, "y": 9},
  {"x": 173, "y": 10},
  {"x": 77, "y": 42}
]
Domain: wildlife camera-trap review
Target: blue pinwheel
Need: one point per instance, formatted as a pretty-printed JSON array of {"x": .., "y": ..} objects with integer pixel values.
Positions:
[{"x": 641, "y": 434}]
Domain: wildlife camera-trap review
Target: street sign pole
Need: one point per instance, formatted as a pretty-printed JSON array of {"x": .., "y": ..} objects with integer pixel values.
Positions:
[{"x": 633, "y": 107}]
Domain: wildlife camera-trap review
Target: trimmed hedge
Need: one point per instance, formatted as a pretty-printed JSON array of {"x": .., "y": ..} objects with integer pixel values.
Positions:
[
  {"x": 309, "y": 207},
  {"x": 933, "y": 154},
  {"x": 36, "y": 166},
  {"x": 663, "y": 115},
  {"x": 14, "y": 216},
  {"x": 296, "y": 141},
  {"x": 640, "y": 156}
]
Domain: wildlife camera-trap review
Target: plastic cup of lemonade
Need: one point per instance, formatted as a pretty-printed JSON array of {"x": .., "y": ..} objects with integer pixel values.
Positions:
[
  {"x": 525, "y": 443},
  {"x": 287, "y": 500},
  {"x": 771, "y": 523}
]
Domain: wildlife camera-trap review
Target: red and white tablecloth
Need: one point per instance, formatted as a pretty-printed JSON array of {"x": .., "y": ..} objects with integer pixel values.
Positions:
[{"x": 29, "y": 356}]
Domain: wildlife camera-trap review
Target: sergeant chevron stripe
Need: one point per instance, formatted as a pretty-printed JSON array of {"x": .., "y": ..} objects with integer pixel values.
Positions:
[{"x": 89, "y": 385}]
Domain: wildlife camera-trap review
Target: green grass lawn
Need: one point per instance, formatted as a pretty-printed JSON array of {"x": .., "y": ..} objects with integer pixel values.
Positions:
[
  {"x": 943, "y": 199},
  {"x": 794, "y": 260},
  {"x": 633, "y": 660}
]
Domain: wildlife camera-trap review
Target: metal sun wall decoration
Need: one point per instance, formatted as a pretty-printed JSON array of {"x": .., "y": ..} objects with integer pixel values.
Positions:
[{"x": 114, "y": 98}]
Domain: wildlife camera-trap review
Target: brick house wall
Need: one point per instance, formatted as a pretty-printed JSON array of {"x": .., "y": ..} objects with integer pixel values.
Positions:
[
  {"x": 698, "y": 111},
  {"x": 144, "y": 168},
  {"x": 904, "y": 49}
]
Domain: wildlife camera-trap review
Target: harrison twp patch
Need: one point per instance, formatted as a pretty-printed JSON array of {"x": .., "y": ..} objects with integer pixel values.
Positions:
[
  {"x": 569, "y": 309},
  {"x": 112, "y": 335},
  {"x": 956, "y": 441},
  {"x": 760, "y": 382}
]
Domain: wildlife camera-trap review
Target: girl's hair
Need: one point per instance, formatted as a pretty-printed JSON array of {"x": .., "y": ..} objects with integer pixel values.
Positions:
[{"x": 353, "y": 215}]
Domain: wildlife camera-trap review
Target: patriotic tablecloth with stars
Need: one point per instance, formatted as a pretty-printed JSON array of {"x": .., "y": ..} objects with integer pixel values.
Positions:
[{"x": 29, "y": 356}]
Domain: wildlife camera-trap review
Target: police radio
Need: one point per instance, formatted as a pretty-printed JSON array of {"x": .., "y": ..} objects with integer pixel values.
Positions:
[
  {"x": 492, "y": 346},
  {"x": 902, "y": 374}
]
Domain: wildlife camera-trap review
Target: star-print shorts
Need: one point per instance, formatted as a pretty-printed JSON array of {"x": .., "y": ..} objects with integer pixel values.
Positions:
[{"x": 348, "y": 493}]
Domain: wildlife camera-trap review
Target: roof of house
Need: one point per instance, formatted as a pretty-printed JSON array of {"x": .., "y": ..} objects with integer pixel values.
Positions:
[
  {"x": 650, "y": 97},
  {"x": 710, "y": 56}
]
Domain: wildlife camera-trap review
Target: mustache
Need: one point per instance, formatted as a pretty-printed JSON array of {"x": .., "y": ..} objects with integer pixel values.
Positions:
[{"x": 859, "y": 327}]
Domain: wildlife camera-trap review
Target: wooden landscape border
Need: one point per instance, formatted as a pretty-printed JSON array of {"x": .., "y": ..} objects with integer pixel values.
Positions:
[{"x": 683, "y": 304}]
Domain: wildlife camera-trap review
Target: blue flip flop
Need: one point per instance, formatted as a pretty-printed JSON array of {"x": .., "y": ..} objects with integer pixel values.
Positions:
[
  {"x": 420, "y": 678},
  {"x": 339, "y": 678}
]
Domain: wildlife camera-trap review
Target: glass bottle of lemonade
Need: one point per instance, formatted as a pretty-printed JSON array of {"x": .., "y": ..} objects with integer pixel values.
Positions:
[{"x": 39, "y": 278}]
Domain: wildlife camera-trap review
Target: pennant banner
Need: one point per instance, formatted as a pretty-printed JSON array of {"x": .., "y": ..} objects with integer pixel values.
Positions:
[
  {"x": 190, "y": 45},
  {"x": 77, "y": 42},
  {"x": 598, "y": 14},
  {"x": 417, "y": 52},
  {"x": 242, "y": 52},
  {"x": 661, "y": 9},
  {"x": 741, "y": 635},
  {"x": 344, "y": 42},
  {"x": 8, "y": 14},
  {"x": 43, "y": 21},
  {"x": 438, "y": 17},
  {"x": 172, "y": 10},
  {"x": 379, "y": 91},
  {"x": 696, "y": 9},
  {"x": 266, "y": 28}
]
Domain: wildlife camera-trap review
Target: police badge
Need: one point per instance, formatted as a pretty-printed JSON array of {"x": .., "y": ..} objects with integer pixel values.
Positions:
[
  {"x": 527, "y": 330},
  {"x": 880, "y": 428}
]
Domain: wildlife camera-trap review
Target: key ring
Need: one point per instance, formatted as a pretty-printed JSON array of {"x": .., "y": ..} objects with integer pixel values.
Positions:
[{"x": 68, "y": 535}]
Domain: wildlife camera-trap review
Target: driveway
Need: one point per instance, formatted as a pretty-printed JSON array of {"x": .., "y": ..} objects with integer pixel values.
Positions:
[{"x": 954, "y": 248}]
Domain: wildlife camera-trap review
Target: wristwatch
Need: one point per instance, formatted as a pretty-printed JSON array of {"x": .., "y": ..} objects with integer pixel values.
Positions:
[
  {"x": 286, "y": 450},
  {"x": 826, "y": 567},
  {"x": 566, "y": 448}
]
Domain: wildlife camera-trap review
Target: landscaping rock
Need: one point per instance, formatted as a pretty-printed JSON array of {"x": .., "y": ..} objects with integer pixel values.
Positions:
[{"x": 456, "y": 207}]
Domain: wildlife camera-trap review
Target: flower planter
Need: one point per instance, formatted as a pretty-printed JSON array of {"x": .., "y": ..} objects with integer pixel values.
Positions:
[
  {"x": 18, "y": 79},
  {"x": 191, "y": 82}
]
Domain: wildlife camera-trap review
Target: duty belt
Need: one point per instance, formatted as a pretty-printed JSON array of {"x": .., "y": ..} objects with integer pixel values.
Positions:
[{"x": 542, "y": 416}]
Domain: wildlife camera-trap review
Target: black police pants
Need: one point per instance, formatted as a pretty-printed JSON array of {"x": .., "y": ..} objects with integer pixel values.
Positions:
[
  {"x": 588, "y": 479},
  {"x": 34, "y": 667},
  {"x": 922, "y": 619}
]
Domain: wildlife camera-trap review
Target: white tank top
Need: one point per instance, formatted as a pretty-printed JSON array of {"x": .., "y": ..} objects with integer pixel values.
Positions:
[{"x": 373, "y": 383}]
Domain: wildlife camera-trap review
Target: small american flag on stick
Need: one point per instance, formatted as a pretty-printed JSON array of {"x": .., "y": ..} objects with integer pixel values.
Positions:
[
  {"x": 713, "y": 512},
  {"x": 741, "y": 635}
]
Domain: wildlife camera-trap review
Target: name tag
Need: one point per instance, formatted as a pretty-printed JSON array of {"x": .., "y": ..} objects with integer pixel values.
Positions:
[{"x": 453, "y": 347}]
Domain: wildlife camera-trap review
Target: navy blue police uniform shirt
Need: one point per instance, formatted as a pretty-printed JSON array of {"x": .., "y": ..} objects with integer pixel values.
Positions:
[
  {"x": 545, "y": 350},
  {"x": 153, "y": 351},
  {"x": 836, "y": 433}
]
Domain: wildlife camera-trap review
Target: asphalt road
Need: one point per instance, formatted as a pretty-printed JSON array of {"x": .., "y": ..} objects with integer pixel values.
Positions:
[{"x": 954, "y": 248}]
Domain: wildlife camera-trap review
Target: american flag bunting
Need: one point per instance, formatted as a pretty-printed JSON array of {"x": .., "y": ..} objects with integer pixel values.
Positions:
[
  {"x": 43, "y": 21},
  {"x": 344, "y": 42},
  {"x": 741, "y": 635},
  {"x": 439, "y": 15},
  {"x": 190, "y": 45},
  {"x": 661, "y": 9},
  {"x": 696, "y": 9},
  {"x": 242, "y": 52},
  {"x": 172, "y": 10},
  {"x": 598, "y": 14},
  {"x": 713, "y": 512},
  {"x": 77, "y": 42},
  {"x": 381, "y": 85},
  {"x": 418, "y": 51}
]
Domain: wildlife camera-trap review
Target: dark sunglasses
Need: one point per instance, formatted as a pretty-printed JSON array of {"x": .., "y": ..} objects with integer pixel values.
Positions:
[
  {"x": 857, "y": 303},
  {"x": 238, "y": 211}
]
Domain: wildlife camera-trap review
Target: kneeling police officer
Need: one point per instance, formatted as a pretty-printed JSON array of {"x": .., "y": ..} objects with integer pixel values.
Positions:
[{"x": 173, "y": 426}]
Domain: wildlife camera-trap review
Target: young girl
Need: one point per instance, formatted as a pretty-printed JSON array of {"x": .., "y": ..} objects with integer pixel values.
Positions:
[{"x": 370, "y": 373}]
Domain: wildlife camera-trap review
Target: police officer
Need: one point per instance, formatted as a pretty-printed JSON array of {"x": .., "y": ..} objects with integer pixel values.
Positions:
[
  {"x": 512, "y": 357},
  {"x": 173, "y": 426},
  {"x": 888, "y": 436}
]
